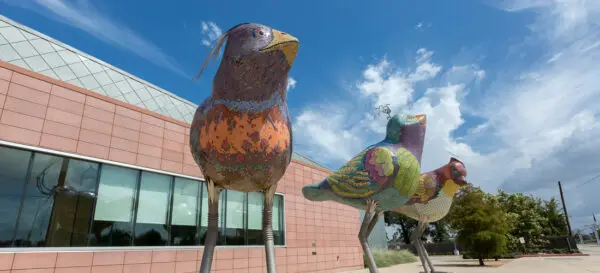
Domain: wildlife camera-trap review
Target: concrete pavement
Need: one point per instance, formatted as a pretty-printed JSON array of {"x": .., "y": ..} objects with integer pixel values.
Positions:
[{"x": 583, "y": 264}]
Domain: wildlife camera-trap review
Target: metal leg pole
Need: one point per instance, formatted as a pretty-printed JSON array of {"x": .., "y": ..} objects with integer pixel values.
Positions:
[
  {"x": 425, "y": 254},
  {"x": 415, "y": 241},
  {"x": 363, "y": 235},
  {"x": 213, "y": 230},
  {"x": 268, "y": 230}
]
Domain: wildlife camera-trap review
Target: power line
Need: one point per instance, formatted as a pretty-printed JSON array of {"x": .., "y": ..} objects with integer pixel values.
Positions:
[{"x": 588, "y": 181}]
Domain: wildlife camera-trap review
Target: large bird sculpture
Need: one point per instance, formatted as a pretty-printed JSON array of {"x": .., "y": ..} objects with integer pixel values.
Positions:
[
  {"x": 432, "y": 201},
  {"x": 382, "y": 177},
  {"x": 241, "y": 135}
]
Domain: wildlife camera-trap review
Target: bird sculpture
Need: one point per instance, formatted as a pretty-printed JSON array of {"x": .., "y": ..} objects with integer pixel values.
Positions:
[
  {"x": 432, "y": 201},
  {"x": 382, "y": 177},
  {"x": 241, "y": 135}
]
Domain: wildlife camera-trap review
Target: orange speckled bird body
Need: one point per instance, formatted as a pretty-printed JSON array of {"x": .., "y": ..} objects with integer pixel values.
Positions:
[{"x": 241, "y": 146}]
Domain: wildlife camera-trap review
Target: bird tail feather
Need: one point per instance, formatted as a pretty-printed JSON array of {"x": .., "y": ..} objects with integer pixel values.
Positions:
[{"x": 317, "y": 192}]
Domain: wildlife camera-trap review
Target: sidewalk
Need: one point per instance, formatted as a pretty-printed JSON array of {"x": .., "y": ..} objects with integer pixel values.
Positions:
[{"x": 523, "y": 265}]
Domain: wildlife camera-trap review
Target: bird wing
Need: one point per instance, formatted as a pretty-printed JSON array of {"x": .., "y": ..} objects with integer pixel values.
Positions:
[
  {"x": 352, "y": 180},
  {"x": 427, "y": 189}
]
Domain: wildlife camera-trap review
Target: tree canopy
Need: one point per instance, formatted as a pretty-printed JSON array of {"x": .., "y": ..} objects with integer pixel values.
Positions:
[{"x": 481, "y": 223}]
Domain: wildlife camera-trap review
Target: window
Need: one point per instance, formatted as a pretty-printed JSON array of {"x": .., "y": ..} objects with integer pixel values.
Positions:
[
  {"x": 152, "y": 210},
  {"x": 13, "y": 174},
  {"x": 278, "y": 233},
  {"x": 54, "y": 201},
  {"x": 255, "y": 209},
  {"x": 184, "y": 219},
  {"x": 112, "y": 225},
  {"x": 235, "y": 218},
  {"x": 39, "y": 200}
]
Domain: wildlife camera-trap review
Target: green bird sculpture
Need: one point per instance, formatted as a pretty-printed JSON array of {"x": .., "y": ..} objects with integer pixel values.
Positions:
[{"x": 382, "y": 177}]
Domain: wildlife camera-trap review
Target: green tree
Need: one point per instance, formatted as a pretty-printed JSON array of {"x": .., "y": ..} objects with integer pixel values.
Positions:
[
  {"x": 527, "y": 220},
  {"x": 404, "y": 224},
  {"x": 480, "y": 221},
  {"x": 555, "y": 219},
  {"x": 440, "y": 231}
]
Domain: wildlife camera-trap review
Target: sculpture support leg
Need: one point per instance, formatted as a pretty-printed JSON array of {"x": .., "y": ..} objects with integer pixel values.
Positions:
[
  {"x": 213, "y": 230},
  {"x": 416, "y": 238},
  {"x": 423, "y": 227},
  {"x": 268, "y": 230},
  {"x": 366, "y": 227}
]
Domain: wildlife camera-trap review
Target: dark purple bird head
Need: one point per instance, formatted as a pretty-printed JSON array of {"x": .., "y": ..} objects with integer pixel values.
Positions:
[{"x": 255, "y": 64}]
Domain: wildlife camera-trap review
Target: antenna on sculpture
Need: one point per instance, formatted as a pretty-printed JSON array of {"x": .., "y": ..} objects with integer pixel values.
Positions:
[{"x": 384, "y": 110}]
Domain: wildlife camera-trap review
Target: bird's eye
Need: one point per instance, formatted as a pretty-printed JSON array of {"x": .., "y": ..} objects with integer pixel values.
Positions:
[{"x": 257, "y": 33}]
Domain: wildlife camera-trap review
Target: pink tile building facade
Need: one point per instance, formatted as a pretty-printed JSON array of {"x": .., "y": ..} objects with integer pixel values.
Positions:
[{"x": 41, "y": 113}]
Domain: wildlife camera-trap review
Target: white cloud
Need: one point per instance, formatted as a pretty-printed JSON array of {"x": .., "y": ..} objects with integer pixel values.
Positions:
[
  {"x": 210, "y": 32},
  {"x": 422, "y": 25},
  {"x": 540, "y": 121},
  {"x": 83, "y": 15},
  {"x": 291, "y": 84}
]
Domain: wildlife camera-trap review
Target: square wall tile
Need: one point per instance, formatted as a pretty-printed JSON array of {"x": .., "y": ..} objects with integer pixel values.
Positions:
[{"x": 34, "y": 260}]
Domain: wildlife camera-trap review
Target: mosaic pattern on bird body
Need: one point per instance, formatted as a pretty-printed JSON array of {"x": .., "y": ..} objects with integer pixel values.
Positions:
[{"x": 240, "y": 133}]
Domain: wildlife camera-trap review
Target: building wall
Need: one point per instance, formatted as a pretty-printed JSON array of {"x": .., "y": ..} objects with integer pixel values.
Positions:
[{"x": 38, "y": 111}]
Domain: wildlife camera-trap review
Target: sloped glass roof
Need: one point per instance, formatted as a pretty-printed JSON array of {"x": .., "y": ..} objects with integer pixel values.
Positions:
[{"x": 32, "y": 50}]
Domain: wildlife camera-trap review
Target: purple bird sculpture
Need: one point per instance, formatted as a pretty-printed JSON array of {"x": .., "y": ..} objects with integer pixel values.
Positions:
[{"x": 241, "y": 135}]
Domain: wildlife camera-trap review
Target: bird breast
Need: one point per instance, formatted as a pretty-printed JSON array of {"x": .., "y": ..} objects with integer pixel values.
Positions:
[{"x": 239, "y": 133}]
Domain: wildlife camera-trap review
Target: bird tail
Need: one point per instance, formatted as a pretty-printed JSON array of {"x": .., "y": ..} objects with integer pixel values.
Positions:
[{"x": 318, "y": 192}]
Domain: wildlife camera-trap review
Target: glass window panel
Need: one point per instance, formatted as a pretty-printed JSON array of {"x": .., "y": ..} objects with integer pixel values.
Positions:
[
  {"x": 185, "y": 202},
  {"x": 73, "y": 204},
  {"x": 115, "y": 194},
  {"x": 154, "y": 198},
  {"x": 278, "y": 214},
  {"x": 113, "y": 212},
  {"x": 235, "y": 218},
  {"x": 153, "y": 206},
  {"x": 39, "y": 200},
  {"x": 13, "y": 174},
  {"x": 184, "y": 218},
  {"x": 255, "y": 207}
]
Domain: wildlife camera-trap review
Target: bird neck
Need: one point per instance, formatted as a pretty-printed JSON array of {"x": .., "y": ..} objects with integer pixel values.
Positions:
[
  {"x": 245, "y": 81},
  {"x": 450, "y": 188}
]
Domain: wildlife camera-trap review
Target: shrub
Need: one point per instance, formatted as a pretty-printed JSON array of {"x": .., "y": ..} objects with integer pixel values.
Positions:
[{"x": 385, "y": 258}]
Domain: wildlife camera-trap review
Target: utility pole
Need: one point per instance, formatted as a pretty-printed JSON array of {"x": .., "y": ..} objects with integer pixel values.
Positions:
[
  {"x": 595, "y": 227},
  {"x": 562, "y": 198}
]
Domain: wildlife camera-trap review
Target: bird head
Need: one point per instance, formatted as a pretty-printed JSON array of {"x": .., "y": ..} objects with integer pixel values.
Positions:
[
  {"x": 457, "y": 172},
  {"x": 403, "y": 125},
  {"x": 260, "y": 44},
  {"x": 408, "y": 130},
  {"x": 256, "y": 61}
]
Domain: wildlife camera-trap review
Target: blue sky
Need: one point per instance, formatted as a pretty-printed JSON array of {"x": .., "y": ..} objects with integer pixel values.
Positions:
[{"x": 509, "y": 86}]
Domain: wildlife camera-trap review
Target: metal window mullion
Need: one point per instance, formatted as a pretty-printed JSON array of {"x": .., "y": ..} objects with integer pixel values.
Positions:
[
  {"x": 94, "y": 202},
  {"x": 134, "y": 208},
  {"x": 245, "y": 210},
  {"x": 23, "y": 196},
  {"x": 170, "y": 210},
  {"x": 224, "y": 217}
]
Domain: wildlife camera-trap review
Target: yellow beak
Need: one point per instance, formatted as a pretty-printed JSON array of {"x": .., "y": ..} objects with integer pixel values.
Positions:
[
  {"x": 422, "y": 118},
  {"x": 288, "y": 44}
]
